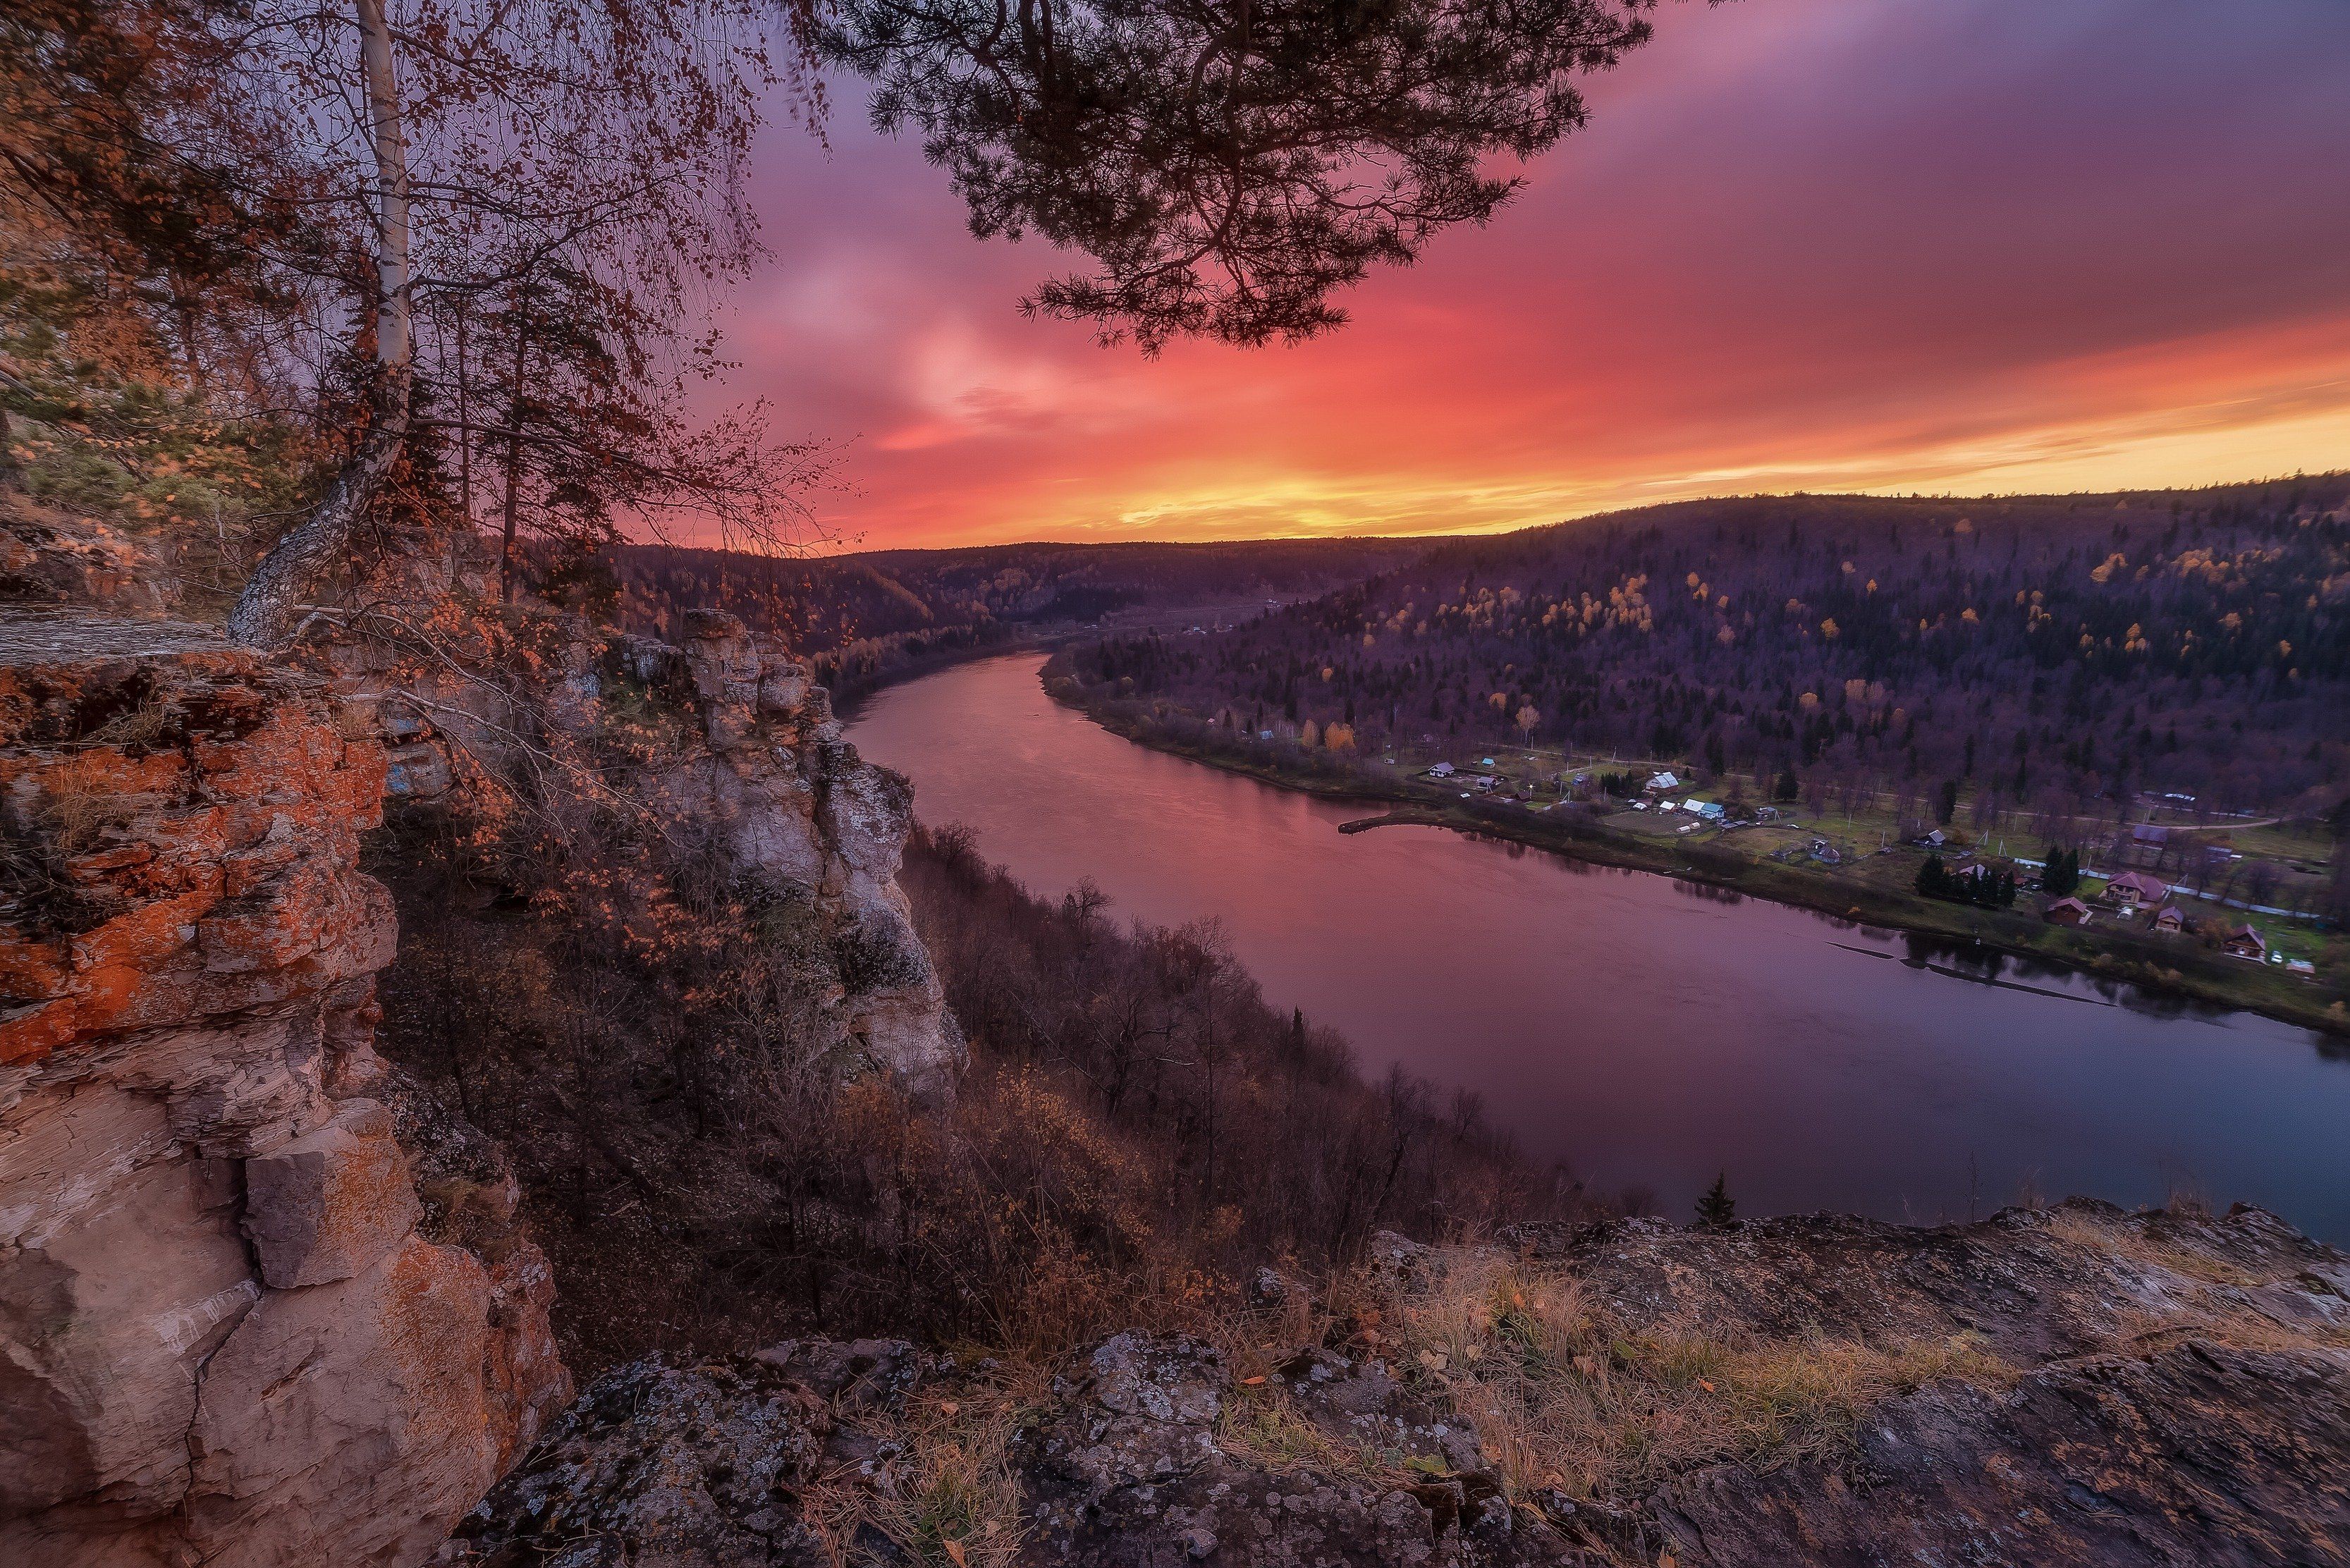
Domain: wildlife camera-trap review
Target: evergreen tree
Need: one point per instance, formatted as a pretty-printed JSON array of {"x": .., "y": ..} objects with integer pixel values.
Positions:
[
  {"x": 1786, "y": 788},
  {"x": 1933, "y": 881},
  {"x": 1947, "y": 804},
  {"x": 1716, "y": 1209}
]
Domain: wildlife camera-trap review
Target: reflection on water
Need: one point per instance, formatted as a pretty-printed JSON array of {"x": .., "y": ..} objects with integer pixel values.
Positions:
[{"x": 1648, "y": 1033}]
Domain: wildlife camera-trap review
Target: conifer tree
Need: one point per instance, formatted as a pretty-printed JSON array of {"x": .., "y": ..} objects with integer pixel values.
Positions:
[{"x": 1716, "y": 1209}]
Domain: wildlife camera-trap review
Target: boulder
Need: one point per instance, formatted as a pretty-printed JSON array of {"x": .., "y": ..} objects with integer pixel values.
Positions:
[
  {"x": 348, "y": 1422},
  {"x": 329, "y": 1204}
]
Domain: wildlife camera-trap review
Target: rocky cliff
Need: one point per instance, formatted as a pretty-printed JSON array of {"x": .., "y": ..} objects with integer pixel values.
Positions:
[
  {"x": 230, "y": 1329},
  {"x": 2072, "y": 1386},
  {"x": 726, "y": 740}
]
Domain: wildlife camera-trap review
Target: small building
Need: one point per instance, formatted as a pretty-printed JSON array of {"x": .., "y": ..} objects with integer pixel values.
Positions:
[
  {"x": 2131, "y": 888},
  {"x": 2244, "y": 942},
  {"x": 2066, "y": 912},
  {"x": 2301, "y": 967},
  {"x": 1932, "y": 839},
  {"x": 1766, "y": 813},
  {"x": 1485, "y": 781},
  {"x": 2168, "y": 921},
  {"x": 1668, "y": 806},
  {"x": 1825, "y": 853},
  {"x": 2151, "y": 833}
]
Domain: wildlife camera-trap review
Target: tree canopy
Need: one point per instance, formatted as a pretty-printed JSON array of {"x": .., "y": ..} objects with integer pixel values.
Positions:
[{"x": 1228, "y": 165}]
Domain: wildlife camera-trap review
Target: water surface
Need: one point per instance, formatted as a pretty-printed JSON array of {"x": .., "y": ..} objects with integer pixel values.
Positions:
[{"x": 1646, "y": 1032}]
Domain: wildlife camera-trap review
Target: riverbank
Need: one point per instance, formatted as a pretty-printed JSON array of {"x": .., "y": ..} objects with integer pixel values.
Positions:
[{"x": 2159, "y": 967}]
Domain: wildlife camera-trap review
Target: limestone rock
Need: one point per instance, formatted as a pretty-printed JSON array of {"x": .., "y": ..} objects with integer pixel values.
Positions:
[
  {"x": 2171, "y": 1446},
  {"x": 696, "y": 1466},
  {"x": 763, "y": 772},
  {"x": 350, "y": 1422},
  {"x": 187, "y": 954},
  {"x": 2200, "y": 1454},
  {"x": 329, "y": 1204}
]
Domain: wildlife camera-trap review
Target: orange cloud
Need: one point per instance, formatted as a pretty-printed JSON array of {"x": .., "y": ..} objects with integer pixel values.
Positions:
[{"x": 1847, "y": 245}]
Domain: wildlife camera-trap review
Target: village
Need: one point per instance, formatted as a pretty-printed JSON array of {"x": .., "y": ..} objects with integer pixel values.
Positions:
[{"x": 2163, "y": 879}]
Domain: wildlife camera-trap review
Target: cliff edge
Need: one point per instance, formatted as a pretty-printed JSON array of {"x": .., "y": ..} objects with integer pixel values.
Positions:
[
  {"x": 2074, "y": 1385},
  {"x": 228, "y": 1333}
]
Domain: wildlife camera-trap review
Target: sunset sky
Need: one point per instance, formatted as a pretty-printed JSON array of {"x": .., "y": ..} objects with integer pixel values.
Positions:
[{"x": 1948, "y": 245}]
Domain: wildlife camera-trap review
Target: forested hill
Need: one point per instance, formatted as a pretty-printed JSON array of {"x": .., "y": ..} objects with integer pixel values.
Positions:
[
  {"x": 2060, "y": 649},
  {"x": 865, "y": 614}
]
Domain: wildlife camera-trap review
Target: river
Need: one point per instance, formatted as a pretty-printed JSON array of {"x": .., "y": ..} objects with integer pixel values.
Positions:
[{"x": 1648, "y": 1032}]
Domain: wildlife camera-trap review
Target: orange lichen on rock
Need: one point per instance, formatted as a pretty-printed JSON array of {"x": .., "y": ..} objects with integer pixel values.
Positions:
[{"x": 228, "y": 1331}]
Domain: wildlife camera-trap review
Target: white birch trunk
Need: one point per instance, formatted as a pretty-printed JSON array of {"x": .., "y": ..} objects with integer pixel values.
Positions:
[{"x": 265, "y": 610}]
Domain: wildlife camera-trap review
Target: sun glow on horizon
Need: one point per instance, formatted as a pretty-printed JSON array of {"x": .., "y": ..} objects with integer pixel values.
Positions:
[{"x": 1826, "y": 246}]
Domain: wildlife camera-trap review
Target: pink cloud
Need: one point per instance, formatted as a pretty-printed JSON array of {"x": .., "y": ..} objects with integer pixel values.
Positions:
[{"x": 1826, "y": 242}]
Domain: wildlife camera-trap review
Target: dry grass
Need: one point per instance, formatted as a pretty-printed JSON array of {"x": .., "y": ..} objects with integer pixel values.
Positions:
[
  {"x": 135, "y": 726},
  {"x": 1563, "y": 1397},
  {"x": 2133, "y": 1245},
  {"x": 945, "y": 1492},
  {"x": 79, "y": 804},
  {"x": 1265, "y": 1426}
]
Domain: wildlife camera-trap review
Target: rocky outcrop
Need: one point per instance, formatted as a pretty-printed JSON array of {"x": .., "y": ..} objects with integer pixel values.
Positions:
[
  {"x": 747, "y": 751},
  {"x": 230, "y": 1331},
  {"x": 797, "y": 805},
  {"x": 743, "y": 1462},
  {"x": 50, "y": 557},
  {"x": 2195, "y": 1454},
  {"x": 2170, "y": 1390}
]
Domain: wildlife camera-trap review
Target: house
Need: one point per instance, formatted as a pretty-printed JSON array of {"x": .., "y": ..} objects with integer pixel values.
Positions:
[
  {"x": 2066, "y": 912},
  {"x": 1485, "y": 781},
  {"x": 1440, "y": 771},
  {"x": 1708, "y": 809},
  {"x": 2170, "y": 920},
  {"x": 2244, "y": 942},
  {"x": 2132, "y": 888},
  {"x": 1663, "y": 781}
]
